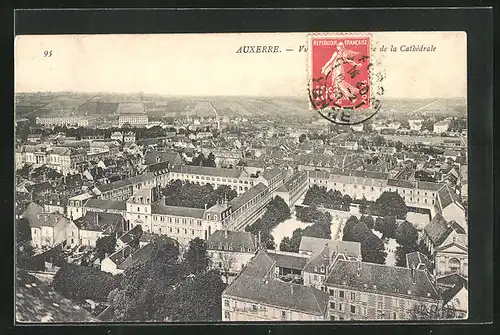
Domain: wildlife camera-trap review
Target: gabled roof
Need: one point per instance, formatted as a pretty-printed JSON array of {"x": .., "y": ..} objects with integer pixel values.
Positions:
[
  {"x": 103, "y": 222},
  {"x": 259, "y": 266},
  {"x": 319, "y": 260},
  {"x": 132, "y": 235},
  {"x": 141, "y": 255},
  {"x": 392, "y": 280},
  {"x": 296, "y": 297},
  {"x": 414, "y": 259},
  {"x": 106, "y": 204},
  {"x": 439, "y": 229},
  {"x": 448, "y": 196},
  {"x": 289, "y": 261},
  {"x": 314, "y": 245},
  {"x": 161, "y": 209},
  {"x": 208, "y": 171},
  {"x": 238, "y": 241},
  {"x": 155, "y": 156},
  {"x": 247, "y": 196},
  {"x": 114, "y": 185},
  {"x": 450, "y": 285},
  {"x": 48, "y": 220},
  {"x": 270, "y": 174},
  {"x": 35, "y": 188}
]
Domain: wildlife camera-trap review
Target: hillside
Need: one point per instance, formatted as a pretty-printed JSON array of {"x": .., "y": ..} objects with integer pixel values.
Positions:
[{"x": 36, "y": 302}]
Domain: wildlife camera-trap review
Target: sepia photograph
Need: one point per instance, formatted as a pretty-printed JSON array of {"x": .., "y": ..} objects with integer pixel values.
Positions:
[{"x": 241, "y": 177}]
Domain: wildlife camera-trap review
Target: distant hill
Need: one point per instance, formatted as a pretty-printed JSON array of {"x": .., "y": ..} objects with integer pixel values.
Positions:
[{"x": 55, "y": 104}]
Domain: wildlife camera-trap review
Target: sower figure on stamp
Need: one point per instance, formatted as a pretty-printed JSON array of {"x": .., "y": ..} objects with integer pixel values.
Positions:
[{"x": 335, "y": 69}]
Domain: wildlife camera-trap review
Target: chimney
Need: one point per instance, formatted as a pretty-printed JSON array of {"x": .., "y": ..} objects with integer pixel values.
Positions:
[
  {"x": 359, "y": 270},
  {"x": 205, "y": 206},
  {"x": 97, "y": 219},
  {"x": 413, "y": 281},
  {"x": 259, "y": 239},
  {"x": 225, "y": 233},
  {"x": 291, "y": 289}
]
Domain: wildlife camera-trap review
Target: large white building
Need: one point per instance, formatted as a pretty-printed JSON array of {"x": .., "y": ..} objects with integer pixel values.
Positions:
[
  {"x": 133, "y": 119},
  {"x": 62, "y": 121}
]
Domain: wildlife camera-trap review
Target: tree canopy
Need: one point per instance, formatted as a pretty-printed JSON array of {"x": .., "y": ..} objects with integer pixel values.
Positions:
[
  {"x": 372, "y": 247},
  {"x": 193, "y": 195},
  {"x": 196, "y": 256},
  {"x": 331, "y": 199},
  {"x": 390, "y": 204},
  {"x": 83, "y": 282},
  {"x": 23, "y": 230},
  {"x": 387, "y": 226},
  {"x": 105, "y": 246},
  {"x": 276, "y": 212}
]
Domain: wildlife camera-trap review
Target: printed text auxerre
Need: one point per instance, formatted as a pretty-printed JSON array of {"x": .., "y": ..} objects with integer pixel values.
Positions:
[{"x": 250, "y": 49}]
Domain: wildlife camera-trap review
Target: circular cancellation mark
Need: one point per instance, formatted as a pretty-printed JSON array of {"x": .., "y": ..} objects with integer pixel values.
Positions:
[{"x": 344, "y": 87}]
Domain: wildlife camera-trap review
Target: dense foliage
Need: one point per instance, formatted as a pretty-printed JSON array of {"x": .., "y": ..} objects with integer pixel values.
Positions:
[
  {"x": 193, "y": 195},
  {"x": 387, "y": 226},
  {"x": 195, "y": 299},
  {"x": 332, "y": 199},
  {"x": 388, "y": 204},
  {"x": 201, "y": 160},
  {"x": 164, "y": 288},
  {"x": 423, "y": 175},
  {"x": 277, "y": 211},
  {"x": 407, "y": 236},
  {"x": 320, "y": 228},
  {"x": 83, "y": 282},
  {"x": 372, "y": 247},
  {"x": 105, "y": 246},
  {"x": 196, "y": 256}
]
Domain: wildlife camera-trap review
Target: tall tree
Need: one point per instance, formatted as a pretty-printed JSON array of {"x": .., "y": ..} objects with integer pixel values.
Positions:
[
  {"x": 372, "y": 250},
  {"x": 197, "y": 256},
  {"x": 391, "y": 204},
  {"x": 105, "y": 246},
  {"x": 196, "y": 299},
  {"x": 209, "y": 161},
  {"x": 302, "y": 138}
]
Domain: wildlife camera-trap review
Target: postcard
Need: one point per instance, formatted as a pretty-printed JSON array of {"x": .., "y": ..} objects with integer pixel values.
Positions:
[{"x": 236, "y": 177}]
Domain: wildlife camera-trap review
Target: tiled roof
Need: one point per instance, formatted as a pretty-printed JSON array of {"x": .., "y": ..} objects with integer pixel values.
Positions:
[
  {"x": 120, "y": 255},
  {"x": 141, "y": 255},
  {"x": 247, "y": 196},
  {"x": 103, "y": 222},
  {"x": 392, "y": 280},
  {"x": 239, "y": 241},
  {"x": 426, "y": 185},
  {"x": 132, "y": 235},
  {"x": 269, "y": 174},
  {"x": 413, "y": 259},
  {"x": 319, "y": 260},
  {"x": 450, "y": 285},
  {"x": 153, "y": 156},
  {"x": 447, "y": 197},
  {"x": 162, "y": 209},
  {"x": 439, "y": 229},
  {"x": 400, "y": 183},
  {"x": 114, "y": 185},
  {"x": 208, "y": 171},
  {"x": 106, "y": 204},
  {"x": 296, "y": 297},
  {"x": 315, "y": 245},
  {"x": 296, "y": 262},
  {"x": 259, "y": 266},
  {"x": 47, "y": 220},
  {"x": 35, "y": 188}
]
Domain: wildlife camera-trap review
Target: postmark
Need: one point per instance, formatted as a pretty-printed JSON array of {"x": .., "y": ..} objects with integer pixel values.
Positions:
[{"x": 344, "y": 85}]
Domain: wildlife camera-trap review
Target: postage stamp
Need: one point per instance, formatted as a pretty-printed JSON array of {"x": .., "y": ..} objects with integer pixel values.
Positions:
[{"x": 340, "y": 77}]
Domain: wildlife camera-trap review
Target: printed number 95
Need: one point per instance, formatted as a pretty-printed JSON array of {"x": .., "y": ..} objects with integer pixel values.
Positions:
[{"x": 47, "y": 53}]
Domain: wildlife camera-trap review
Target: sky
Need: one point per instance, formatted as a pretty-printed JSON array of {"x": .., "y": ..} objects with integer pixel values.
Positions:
[{"x": 208, "y": 65}]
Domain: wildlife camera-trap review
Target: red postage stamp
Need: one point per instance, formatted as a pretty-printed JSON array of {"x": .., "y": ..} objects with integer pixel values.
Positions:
[{"x": 339, "y": 72}]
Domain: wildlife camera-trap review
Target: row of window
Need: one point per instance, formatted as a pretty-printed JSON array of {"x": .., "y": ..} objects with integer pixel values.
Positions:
[
  {"x": 172, "y": 230},
  {"x": 365, "y": 187}
]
